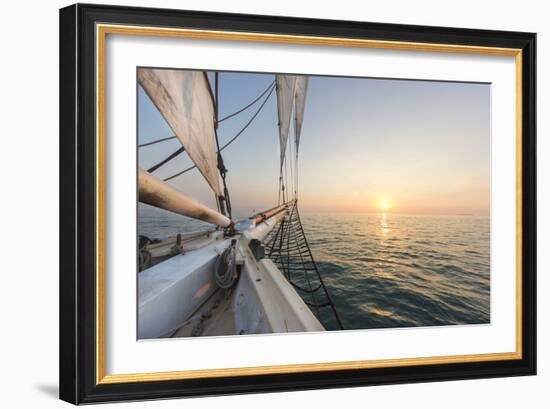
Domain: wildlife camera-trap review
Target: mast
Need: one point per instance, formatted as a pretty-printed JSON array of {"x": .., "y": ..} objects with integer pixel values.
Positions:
[
  {"x": 224, "y": 200},
  {"x": 286, "y": 88},
  {"x": 299, "y": 107}
]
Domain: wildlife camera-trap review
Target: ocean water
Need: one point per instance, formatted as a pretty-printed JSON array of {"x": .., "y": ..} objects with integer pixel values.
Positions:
[{"x": 387, "y": 270}]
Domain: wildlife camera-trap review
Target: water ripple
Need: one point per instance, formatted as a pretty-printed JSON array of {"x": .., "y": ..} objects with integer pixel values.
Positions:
[{"x": 403, "y": 271}]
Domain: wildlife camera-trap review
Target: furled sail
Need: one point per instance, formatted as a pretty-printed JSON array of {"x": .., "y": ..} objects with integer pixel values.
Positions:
[
  {"x": 286, "y": 87},
  {"x": 185, "y": 101},
  {"x": 299, "y": 107}
]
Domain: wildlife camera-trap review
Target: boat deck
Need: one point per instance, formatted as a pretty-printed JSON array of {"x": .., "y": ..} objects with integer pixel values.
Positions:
[
  {"x": 213, "y": 318},
  {"x": 180, "y": 297}
]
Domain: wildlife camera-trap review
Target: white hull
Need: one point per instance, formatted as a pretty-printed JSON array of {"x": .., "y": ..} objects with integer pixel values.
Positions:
[{"x": 176, "y": 295}]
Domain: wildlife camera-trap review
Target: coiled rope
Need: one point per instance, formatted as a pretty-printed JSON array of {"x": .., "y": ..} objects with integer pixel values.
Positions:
[{"x": 225, "y": 269}]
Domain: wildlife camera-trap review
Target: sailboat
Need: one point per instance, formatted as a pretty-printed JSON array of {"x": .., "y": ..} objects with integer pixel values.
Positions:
[{"x": 251, "y": 276}]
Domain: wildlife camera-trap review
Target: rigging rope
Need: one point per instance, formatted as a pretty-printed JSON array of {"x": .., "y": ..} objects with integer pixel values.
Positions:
[
  {"x": 279, "y": 191},
  {"x": 295, "y": 242},
  {"x": 143, "y": 145},
  {"x": 232, "y": 139},
  {"x": 176, "y": 153},
  {"x": 296, "y": 179},
  {"x": 166, "y": 160},
  {"x": 290, "y": 251},
  {"x": 249, "y": 105},
  {"x": 291, "y": 171},
  {"x": 285, "y": 190}
]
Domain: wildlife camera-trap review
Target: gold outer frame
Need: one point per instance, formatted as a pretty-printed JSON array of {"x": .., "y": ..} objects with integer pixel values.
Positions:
[{"x": 102, "y": 30}]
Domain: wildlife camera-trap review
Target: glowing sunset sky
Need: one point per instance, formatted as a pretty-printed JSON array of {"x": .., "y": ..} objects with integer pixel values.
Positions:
[{"x": 409, "y": 146}]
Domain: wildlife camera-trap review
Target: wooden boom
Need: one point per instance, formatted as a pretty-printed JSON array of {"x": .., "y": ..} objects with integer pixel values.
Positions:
[
  {"x": 260, "y": 217},
  {"x": 158, "y": 193}
]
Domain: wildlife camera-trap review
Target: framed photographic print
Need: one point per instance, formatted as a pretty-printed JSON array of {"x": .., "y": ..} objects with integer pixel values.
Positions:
[{"x": 258, "y": 203}]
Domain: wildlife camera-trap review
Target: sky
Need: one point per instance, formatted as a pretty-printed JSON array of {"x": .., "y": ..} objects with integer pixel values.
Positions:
[{"x": 367, "y": 145}]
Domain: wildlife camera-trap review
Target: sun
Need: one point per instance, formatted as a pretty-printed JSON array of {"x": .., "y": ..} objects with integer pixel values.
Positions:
[{"x": 384, "y": 204}]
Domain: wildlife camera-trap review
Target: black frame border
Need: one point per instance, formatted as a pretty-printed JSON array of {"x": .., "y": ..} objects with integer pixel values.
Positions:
[{"x": 78, "y": 197}]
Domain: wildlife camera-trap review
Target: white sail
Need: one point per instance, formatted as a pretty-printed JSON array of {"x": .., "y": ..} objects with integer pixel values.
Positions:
[
  {"x": 185, "y": 101},
  {"x": 286, "y": 88},
  {"x": 299, "y": 107}
]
